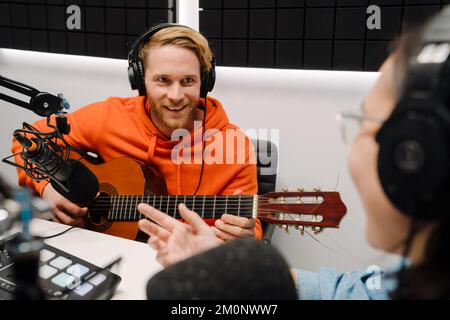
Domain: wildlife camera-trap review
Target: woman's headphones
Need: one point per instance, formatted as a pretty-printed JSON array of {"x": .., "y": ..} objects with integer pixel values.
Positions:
[
  {"x": 136, "y": 66},
  {"x": 414, "y": 154}
]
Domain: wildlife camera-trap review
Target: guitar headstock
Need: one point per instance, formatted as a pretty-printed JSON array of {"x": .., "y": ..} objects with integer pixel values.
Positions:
[{"x": 316, "y": 209}]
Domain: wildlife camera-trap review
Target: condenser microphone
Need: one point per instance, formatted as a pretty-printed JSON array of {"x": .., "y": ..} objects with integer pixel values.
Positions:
[
  {"x": 244, "y": 269},
  {"x": 71, "y": 178}
]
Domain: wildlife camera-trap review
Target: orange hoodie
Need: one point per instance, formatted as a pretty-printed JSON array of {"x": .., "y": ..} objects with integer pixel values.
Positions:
[{"x": 121, "y": 127}]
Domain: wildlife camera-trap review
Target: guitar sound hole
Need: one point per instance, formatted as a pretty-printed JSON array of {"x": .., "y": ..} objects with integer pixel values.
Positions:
[{"x": 100, "y": 208}]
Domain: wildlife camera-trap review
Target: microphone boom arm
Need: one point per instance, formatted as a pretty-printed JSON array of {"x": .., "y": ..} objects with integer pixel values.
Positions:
[{"x": 41, "y": 103}]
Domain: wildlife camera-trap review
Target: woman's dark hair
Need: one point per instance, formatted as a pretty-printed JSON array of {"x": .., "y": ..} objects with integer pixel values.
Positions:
[{"x": 430, "y": 279}]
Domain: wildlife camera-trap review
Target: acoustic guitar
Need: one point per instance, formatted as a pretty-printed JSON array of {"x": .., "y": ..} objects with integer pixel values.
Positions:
[{"x": 124, "y": 184}]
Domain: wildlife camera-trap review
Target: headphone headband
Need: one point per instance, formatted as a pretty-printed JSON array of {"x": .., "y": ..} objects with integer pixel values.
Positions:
[{"x": 134, "y": 51}]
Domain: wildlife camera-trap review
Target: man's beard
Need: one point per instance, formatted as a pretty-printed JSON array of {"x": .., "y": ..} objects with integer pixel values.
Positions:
[{"x": 160, "y": 113}]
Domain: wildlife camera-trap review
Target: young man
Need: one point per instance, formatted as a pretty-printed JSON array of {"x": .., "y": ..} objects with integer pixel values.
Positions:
[{"x": 174, "y": 60}]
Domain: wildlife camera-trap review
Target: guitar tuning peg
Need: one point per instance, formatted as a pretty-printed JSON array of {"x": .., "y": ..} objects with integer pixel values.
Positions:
[
  {"x": 317, "y": 230},
  {"x": 284, "y": 227},
  {"x": 301, "y": 229},
  {"x": 299, "y": 198},
  {"x": 284, "y": 189},
  {"x": 317, "y": 189}
]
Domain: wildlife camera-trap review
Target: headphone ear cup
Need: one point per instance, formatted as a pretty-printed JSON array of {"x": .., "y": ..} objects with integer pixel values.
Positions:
[
  {"x": 132, "y": 76},
  {"x": 211, "y": 79},
  {"x": 208, "y": 81},
  {"x": 141, "y": 78},
  {"x": 413, "y": 163}
]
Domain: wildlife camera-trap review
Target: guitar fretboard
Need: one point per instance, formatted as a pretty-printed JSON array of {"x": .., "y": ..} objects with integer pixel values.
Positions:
[{"x": 124, "y": 208}]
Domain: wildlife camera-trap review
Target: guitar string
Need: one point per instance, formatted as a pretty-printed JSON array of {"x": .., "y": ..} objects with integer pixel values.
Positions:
[
  {"x": 247, "y": 206},
  {"x": 235, "y": 210},
  {"x": 220, "y": 197},
  {"x": 352, "y": 256},
  {"x": 348, "y": 252},
  {"x": 265, "y": 211},
  {"x": 209, "y": 200},
  {"x": 268, "y": 210},
  {"x": 335, "y": 188},
  {"x": 209, "y": 206},
  {"x": 230, "y": 200},
  {"x": 304, "y": 222}
]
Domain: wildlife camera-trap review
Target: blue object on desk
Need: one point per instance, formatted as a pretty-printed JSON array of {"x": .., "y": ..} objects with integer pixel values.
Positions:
[{"x": 23, "y": 197}]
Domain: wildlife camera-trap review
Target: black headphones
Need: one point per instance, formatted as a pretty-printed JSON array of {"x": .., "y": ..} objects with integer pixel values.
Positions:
[
  {"x": 136, "y": 66},
  {"x": 414, "y": 154}
]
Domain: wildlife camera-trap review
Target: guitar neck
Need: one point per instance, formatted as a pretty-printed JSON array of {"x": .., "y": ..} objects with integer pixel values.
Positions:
[{"x": 124, "y": 208}]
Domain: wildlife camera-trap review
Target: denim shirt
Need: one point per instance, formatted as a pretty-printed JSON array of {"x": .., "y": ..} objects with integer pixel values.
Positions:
[{"x": 329, "y": 284}]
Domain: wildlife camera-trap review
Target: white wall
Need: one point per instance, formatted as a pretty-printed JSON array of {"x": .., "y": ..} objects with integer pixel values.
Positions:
[
  {"x": 301, "y": 104},
  {"x": 188, "y": 13}
]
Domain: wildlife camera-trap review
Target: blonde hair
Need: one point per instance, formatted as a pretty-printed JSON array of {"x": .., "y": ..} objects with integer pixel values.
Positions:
[{"x": 182, "y": 37}]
